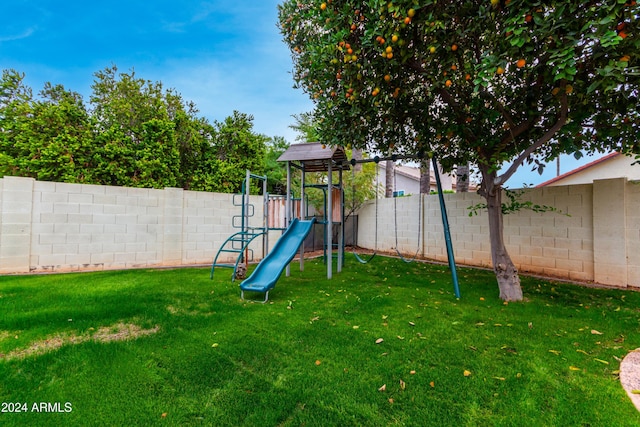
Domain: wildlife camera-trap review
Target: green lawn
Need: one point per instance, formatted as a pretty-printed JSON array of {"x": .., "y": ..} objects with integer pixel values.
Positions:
[{"x": 384, "y": 343}]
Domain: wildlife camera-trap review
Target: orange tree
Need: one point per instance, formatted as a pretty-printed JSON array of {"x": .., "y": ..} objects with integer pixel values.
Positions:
[{"x": 499, "y": 83}]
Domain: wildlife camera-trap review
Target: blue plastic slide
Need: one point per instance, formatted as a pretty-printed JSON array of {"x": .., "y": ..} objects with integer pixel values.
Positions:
[{"x": 267, "y": 273}]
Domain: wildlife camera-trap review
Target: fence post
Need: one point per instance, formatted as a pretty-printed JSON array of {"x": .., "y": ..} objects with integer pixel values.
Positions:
[
  {"x": 16, "y": 211},
  {"x": 609, "y": 232}
]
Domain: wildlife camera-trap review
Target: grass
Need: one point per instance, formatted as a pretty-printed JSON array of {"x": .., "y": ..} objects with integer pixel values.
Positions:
[{"x": 171, "y": 347}]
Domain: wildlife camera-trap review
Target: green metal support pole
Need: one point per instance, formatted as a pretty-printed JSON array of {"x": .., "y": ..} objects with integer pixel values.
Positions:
[
  {"x": 328, "y": 214},
  {"x": 447, "y": 233}
]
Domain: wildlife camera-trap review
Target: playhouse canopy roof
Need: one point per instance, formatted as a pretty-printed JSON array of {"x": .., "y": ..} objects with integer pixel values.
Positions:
[{"x": 315, "y": 157}]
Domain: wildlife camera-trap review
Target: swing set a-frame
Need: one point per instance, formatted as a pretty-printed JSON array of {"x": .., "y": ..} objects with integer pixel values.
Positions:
[{"x": 443, "y": 210}]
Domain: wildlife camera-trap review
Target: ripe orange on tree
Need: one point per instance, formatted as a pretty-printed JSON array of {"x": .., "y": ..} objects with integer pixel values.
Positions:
[{"x": 521, "y": 63}]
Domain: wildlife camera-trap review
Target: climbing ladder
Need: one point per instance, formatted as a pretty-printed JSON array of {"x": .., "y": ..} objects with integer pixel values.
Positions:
[{"x": 238, "y": 243}]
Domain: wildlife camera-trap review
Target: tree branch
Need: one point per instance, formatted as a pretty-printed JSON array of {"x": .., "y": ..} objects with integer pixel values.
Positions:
[{"x": 560, "y": 122}]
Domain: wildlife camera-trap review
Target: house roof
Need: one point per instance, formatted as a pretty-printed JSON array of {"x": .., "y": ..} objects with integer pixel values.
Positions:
[
  {"x": 579, "y": 169},
  {"x": 316, "y": 157},
  {"x": 413, "y": 173}
]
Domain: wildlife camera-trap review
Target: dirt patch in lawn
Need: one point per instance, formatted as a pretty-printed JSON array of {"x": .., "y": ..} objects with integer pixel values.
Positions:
[{"x": 117, "y": 332}]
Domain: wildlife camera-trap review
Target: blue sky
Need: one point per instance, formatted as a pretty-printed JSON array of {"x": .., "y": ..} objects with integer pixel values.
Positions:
[{"x": 224, "y": 55}]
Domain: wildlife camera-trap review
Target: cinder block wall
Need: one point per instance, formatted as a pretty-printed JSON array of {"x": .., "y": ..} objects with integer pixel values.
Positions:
[
  {"x": 593, "y": 236},
  {"x": 632, "y": 205},
  {"x": 47, "y": 226}
]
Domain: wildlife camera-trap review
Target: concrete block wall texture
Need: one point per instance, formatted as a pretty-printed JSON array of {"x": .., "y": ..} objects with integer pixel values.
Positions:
[
  {"x": 15, "y": 224},
  {"x": 593, "y": 236},
  {"x": 609, "y": 230},
  {"x": 633, "y": 232},
  {"x": 48, "y": 226}
]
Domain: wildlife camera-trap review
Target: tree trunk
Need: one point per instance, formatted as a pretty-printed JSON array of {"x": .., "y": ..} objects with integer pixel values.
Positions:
[
  {"x": 462, "y": 178},
  {"x": 388, "y": 183},
  {"x": 506, "y": 272},
  {"x": 356, "y": 154},
  {"x": 425, "y": 176}
]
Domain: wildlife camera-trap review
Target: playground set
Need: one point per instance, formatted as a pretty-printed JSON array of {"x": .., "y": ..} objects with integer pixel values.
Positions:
[{"x": 290, "y": 216}]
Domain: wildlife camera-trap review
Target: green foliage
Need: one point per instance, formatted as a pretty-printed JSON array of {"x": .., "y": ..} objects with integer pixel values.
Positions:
[
  {"x": 275, "y": 171},
  {"x": 307, "y": 127},
  {"x": 515, "y": 204},
  {"x": 49, "y": 138},
  {"x": 471, "y": 81},
  {"x": 360, "y": 186},
  {"x": 136, "y": 134}
]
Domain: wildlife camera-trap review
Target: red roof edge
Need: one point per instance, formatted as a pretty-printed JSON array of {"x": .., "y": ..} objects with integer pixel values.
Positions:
[{"x": 579, "y": 169}]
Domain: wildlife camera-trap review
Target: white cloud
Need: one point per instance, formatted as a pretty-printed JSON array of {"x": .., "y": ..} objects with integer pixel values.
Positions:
[{"x": 26, "y": 33}]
